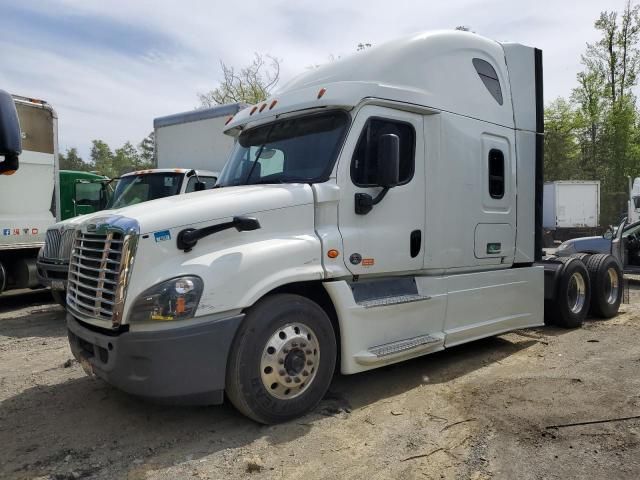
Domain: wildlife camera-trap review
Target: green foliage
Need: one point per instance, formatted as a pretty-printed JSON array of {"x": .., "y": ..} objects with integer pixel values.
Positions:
[
  {"x": 123, "y": 160},
  {"x": 251, "y": 84},
  {"x": 72, "y": 161},
  {"x": 595, "y": 135}
]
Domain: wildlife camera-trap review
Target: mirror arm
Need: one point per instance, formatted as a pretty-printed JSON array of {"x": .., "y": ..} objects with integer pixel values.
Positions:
[{"x": 365, "y": 202}]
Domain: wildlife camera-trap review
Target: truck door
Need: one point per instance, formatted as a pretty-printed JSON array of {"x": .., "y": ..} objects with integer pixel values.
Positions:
[{"x": 389, "y": 238}]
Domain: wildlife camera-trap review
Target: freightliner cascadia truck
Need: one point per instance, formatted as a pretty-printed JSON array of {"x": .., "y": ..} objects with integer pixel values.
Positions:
[
  {"x": 382, "y": 207},
  {"x": 192, "y": 140}
]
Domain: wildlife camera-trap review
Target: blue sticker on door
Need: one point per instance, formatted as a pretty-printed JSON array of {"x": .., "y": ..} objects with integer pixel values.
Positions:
[{"x": 162, "y": 236}]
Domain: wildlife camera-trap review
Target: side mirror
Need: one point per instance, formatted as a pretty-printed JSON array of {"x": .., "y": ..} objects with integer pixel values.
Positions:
[
  {"x": 199, "y": 186},
  {"x": 10, "y": 140},
  {"x": 388, "y": 160},
  {"x": 608, "y": 234}
]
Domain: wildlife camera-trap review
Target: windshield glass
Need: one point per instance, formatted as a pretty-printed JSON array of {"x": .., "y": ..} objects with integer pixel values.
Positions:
[
  {"x": 134, "y": 189},
  {"x": 301, "y": 149}
]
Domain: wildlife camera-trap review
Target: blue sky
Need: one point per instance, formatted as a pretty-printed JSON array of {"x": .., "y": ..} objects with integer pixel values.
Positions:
[{"x": 109, "y": 68}]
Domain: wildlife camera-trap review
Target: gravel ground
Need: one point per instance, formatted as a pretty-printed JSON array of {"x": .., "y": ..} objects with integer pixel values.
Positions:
[{"x": 483, "y": 410}]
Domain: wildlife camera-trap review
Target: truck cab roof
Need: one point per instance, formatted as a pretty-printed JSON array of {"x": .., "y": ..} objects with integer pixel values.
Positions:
[{"x": 450, "y": 71}]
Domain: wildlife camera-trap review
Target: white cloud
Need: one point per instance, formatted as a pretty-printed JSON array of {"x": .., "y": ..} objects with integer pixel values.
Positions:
[{"x": 114, "y": 94}]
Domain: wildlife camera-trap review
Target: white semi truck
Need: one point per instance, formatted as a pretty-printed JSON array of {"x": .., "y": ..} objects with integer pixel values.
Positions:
[
  {"x": 193, "y": 140},
  {"x": 385, "y": 206},
  {"x": 27, "y": 206}
]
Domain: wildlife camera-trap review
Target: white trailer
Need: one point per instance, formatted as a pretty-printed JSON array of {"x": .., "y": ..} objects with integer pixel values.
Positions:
[
  {"x": 194, "y": 139},
  {"x": 384, "y": 206},
  {"x": 27, "y": 206},
  {"x": 633, "y": 214},
  {"x": 571, "y": 204}
]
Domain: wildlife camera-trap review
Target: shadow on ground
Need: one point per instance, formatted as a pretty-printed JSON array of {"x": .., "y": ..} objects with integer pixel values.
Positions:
[{"x": 86, "y": 421}]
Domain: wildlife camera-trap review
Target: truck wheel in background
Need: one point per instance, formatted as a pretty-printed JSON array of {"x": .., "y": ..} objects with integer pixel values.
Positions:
[
  {"x": 570, "y": 306},
  {"x": 581, "y": 256},
  {"x": 282, "y": 359},
  {"x": 606, "y": 277},
  {"x": 60, "y": 297}
]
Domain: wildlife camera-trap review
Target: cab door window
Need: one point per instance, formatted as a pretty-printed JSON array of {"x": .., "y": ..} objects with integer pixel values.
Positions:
[{"x": 364, "y": 164}]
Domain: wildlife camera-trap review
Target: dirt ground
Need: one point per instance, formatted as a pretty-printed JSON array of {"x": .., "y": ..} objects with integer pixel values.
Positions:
[{"x": 483, "y": 410}]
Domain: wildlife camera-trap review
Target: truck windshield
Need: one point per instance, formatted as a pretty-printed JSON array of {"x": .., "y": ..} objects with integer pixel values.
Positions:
[
  {"x": 301, "y": 149},
  {"x": 133, "y": 189}
]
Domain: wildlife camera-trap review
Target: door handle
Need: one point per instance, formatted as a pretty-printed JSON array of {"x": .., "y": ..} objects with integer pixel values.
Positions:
[{"x": 415, "y": 243}]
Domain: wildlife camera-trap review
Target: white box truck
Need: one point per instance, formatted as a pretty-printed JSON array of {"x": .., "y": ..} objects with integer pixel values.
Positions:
[
  {"x": 194, "y": 139},
  {"x": 384, "y": 206},
  {"x": 571, "y": 208},
  {"x": 27, "y": 206}
]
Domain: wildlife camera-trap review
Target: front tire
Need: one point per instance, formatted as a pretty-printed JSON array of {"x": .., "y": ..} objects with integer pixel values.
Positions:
[{"x": 282, "y": 359}]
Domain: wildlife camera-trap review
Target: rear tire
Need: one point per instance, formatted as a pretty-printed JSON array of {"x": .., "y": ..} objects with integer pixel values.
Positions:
[
  {"x": 606, "y": 278},
  {"x": 581, "y": 256},
  {"x": 60, "y": 297},
  {"x": 570, "y": 306},
  {"x": 282, "y": 359}
]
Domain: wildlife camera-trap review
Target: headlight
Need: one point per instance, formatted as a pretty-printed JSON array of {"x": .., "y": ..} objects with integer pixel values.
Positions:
[
  {"x": 175, "y": 299},
  {"x": 563, "y": 246}
]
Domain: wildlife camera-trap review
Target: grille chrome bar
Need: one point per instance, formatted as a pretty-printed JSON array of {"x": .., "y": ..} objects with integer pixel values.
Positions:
[{"x": 100, "y": 264}]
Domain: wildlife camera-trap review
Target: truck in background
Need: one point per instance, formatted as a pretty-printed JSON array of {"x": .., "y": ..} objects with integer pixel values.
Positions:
[
  {"x": 571, "y": 208},
  {"x": 82, "y": 193},
  {"x": 194, "y": 139},
  {"x": 328, "y": 246},
  {"x": 131, "y": 188},
  {"x": 27, "y": 208}
]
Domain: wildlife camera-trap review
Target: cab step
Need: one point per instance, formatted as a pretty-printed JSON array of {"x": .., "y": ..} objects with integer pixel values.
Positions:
[
  {"x": 401, "y": 349},
  {"x": 395, "y": 300}
]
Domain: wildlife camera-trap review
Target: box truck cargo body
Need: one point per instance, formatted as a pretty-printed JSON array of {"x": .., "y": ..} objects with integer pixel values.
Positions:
[
  {"x": 194, "y": 139},
  {"x": 27, "y": 204},
  {"x": 571, "y": 204}
]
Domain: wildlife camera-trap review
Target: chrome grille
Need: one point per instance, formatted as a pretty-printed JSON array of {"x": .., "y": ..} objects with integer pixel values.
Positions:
[
  {"x": 57, "y": 245},
  {"x": 95, "y": 287},
  {"x": 66, "y": 243},
  {"x": 52, "y": 243}
]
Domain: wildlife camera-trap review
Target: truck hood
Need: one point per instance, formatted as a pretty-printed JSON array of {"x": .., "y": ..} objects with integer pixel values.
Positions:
[
  {"x": 209, "y": 205},
  {"x": 584, "y": 245}
]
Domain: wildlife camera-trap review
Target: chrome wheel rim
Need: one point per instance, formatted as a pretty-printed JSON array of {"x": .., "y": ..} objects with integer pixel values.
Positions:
[
  {"x": 612, "y": 286},
  {"x": 290, "y": 361},
  {"x": 576, "y": 293}
]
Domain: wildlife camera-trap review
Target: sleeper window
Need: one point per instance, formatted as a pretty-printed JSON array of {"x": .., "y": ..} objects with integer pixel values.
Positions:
[
  {"x": 489, "y": 77},
  {"x": 365, "y": 157},
  {"x": 496, "y": 173}
]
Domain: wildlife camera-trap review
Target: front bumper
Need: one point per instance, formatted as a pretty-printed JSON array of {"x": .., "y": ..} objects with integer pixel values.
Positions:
[
  {"x": 53, "y": 274},
  {"x": 185, "y": 365}
]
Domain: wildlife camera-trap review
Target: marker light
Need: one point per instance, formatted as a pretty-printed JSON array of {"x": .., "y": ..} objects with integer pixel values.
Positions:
[
  {"x": 263, "y": 107},
  {"x": 333, "y": 253},
  {"x": 228, "y": 120},
  {"x": 273, "y": 104},
  {"x": 253, "y": 110},
  {"x": 321, "y": 92}
]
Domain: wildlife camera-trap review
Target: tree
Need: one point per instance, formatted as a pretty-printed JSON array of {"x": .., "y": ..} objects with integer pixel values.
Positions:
[
  {"x": 147, "y": 149},
  {"x": 561, "y": 147},
  {"x": 102, "y": 158},
  {"x": 126, "y": 159},
  {"x": 616, "y": 56},
  {"x": 251, "y": 84},
  {"x": 72, "y": 161}
]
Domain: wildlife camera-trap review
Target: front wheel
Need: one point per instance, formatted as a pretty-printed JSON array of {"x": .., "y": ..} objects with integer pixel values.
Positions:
[{"x": 282, "y": 359}]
